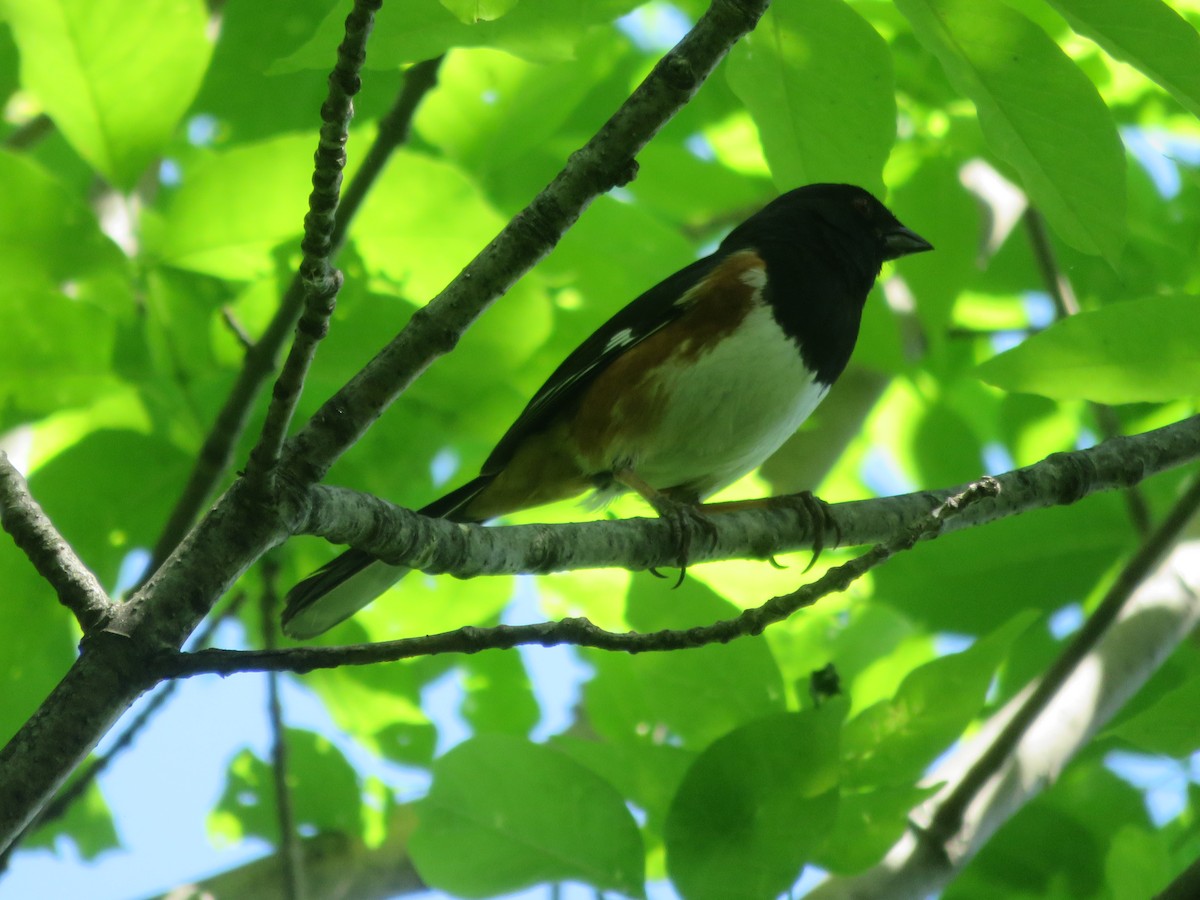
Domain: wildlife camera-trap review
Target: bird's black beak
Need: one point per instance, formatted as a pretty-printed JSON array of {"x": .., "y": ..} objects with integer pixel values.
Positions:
[{"x": 901, "y": 241}]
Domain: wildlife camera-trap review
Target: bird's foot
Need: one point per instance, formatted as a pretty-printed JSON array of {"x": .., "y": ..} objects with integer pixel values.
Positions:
[
  {"x": 817, "y": 518},
  {"x": 687, "y": 523}
]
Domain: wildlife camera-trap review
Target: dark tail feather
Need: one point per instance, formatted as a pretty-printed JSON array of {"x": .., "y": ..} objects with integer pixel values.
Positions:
[
  {"x": 449, "y": 506},
  {"x": 342, "y": 587}
]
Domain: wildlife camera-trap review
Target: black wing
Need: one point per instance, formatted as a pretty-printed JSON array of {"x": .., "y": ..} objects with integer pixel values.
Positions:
[{"x": 654, "y": 309}]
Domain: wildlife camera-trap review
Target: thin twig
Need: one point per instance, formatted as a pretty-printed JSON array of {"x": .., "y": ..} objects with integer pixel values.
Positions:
[
  {"x": 949, "y": 817},
  {"x": 579, "y": 631},
  {"x": 33, "y": 131},
  {"x": 1058, "y": 285},
  {"x": 31, "y": 529},
  {"x": 1066, "y": 303},
  {"x": 216, "y": 456},
  {"x": 320, "y": 279},
  {"x": 606, "y": 161},
  {"x": 291, "y": 855},
  {"x": 235, "y": 328}
]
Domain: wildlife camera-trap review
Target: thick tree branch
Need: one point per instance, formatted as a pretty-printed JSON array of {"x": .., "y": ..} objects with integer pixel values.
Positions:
[
  {"x": 1162, "y": 612},
  {"x": 606, "y": 161},
  {"x": 98, "y": 765},
  {"x": 436, "y": 546},
  {"x": 32, "y": 531},
  {"x": 216, "y": 456},
  {"x": 110, "y": 673},
  {"x": 949, "y": 818},
  {"x": 579, "y": 631}
]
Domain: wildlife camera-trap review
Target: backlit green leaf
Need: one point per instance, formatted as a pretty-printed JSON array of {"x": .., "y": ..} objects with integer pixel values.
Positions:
[
  {"x": 1148, "y": 34},
  {"x": 754, "y": 806},
  {"x": 235, "y": 209},
  {"x": 1005, "y": 65},
  {"x": 892, "y": 742},
  {"x": 1140, "y": 350},
  {"x": 538, "y": 30},
  {"x": 325, "y": 792},
  {"x": 824, "y": 114},
  {"x": 116, "y": 77},
  {"x": 494, "y": 822}
]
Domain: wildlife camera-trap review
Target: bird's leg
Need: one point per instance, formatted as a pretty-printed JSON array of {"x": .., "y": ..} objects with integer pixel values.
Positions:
[
  {"x": 684, "y": 519},
  {"x": 813, "y": 510}
]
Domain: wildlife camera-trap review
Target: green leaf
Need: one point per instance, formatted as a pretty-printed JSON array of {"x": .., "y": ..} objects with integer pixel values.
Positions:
[
  {"x": 325, "y": 792},
  {"x": 115, "y": 77},
  {"x": 87, "y": 823},
  {"x": 1057, "y": 841},
  {"x": 1147, "y": 34},
  {"x": 935, "y": 204},
  {"x": 945, "y": 448},
  {"x": 50, "y": 237},
  {"x": 1058, "y": 552},
  {"x": 34, "y": 657},
  {"x": 499, "y": 697},
  {"x": 471, "y": 11},
  {"x": 1138, "y": 864},
  {"x": 646, "y": 774},
  {"x": 1004, "y": 63},
  {"x": 406, "y": 255},
  {"x": 251, "y": 105},
  {"x": 868, "y": 824},
  {"x": 1140, "y": 350},
  {"x": 537, "y": 30},
  {"x": 1171, "y": 726},
  {"x": 234, "y": 209},
  {"x": 504, "y": 814},
  {"x": 110, "y": 492},
  {"x": 754, "y": 807},
  {"x": 491, "y": 108},
  {"x": 381, "y": 710},
  {"x": 784, "y": 72},
  {"x": 63, "y": 358},
  {"x": 892, "y": 742},
  {"x": 698, "y": 695}
]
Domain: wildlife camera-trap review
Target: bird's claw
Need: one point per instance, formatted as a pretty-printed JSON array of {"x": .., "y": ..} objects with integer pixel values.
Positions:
[
  {"x": 685, "y": 521},
  {"x": 818, "y": 519}
]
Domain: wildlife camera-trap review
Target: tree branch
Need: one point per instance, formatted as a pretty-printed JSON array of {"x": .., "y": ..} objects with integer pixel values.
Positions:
[
  {"x": 216, "y": 456},
  {"x": 321, "y": 281},
  {"x": 606, "y": 161},
  {"x": 1161, "y": 613},
  {"x": 291, "y": 859},
  {"x": 579, "y": 631},
  {"x": 98, "y": 765},
  {"x": 949, "y": 818},
  {"x": 32, "y": 531},
  {"x": 436, "y": 546}
]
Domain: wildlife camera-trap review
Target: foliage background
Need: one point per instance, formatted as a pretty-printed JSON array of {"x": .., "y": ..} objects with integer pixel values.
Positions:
[{"x": 154, "y": 175}]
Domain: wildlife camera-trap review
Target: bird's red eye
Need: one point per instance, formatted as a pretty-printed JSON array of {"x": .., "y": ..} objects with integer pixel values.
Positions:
[{"x": 863, "y": 205}]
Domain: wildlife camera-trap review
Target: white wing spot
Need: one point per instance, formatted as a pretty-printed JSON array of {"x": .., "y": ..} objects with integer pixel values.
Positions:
[
  {"x": 755, "y": 277},
  {"x": 622, "y": 338}
]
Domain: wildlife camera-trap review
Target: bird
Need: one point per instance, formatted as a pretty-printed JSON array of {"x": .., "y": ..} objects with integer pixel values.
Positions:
[{"x": 683, "y": 391}]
